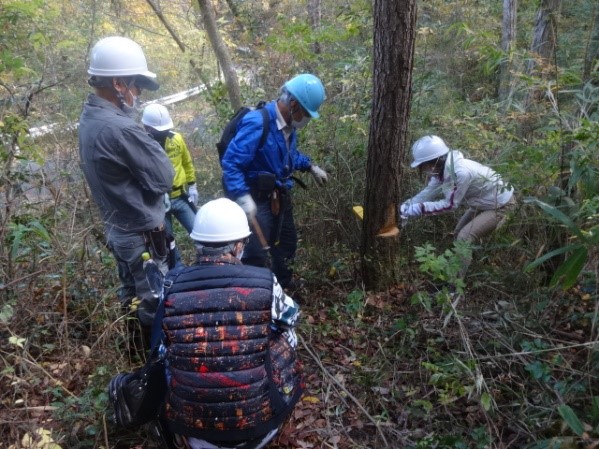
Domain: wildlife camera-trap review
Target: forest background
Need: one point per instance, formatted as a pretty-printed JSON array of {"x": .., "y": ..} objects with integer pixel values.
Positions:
[{"x": 512, "y": 363}]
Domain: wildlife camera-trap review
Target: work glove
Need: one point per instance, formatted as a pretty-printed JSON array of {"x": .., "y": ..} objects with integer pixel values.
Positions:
[
  {"x": 320, "y": 176},
  {"x": 410, "y": 210},
  {"x": 192, "y": 193},
  {"x": 248, "y": 205},
  {"x": 167, "y": 202},
  {"x": 403, "y": 221}
]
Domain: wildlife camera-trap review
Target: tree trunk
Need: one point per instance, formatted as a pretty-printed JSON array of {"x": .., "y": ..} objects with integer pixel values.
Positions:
[
  {"x": 221, "y": 52},
  {"x": 179, "y": 43},
  {"x": 508, "y": 37},
  {"x": 233, "y": 7},
  {"x": 591, "y": 59},
  {"x": 544, "y": 43},
  {"x": 315, "y": 14},
  {"x": 394, "y": 35}
]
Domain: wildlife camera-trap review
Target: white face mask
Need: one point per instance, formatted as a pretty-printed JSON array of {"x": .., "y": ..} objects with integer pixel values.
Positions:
[
  {"x": 133, "y": 109},
  {"x": 299, "y": 125}
]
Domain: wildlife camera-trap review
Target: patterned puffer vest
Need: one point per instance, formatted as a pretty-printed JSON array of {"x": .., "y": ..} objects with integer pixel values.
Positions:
[{"x": 231, "y": 376}]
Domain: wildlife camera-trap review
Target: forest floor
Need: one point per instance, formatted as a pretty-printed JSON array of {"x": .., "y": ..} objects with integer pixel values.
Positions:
[{"x": 386, "y": 370}]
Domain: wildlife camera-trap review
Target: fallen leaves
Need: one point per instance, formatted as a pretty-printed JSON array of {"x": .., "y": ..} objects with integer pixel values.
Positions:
[{"x": 39, "y": 439}]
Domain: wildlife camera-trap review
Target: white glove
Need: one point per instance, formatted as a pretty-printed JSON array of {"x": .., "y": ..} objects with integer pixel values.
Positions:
[
  {"x": 192, "y": 193},
  {"x": 167, "y": 202},
  {"x": 410, "y": 210},
  {"x": 319, "y": 174},
  {"x": 403, "y": 218},
  {"x": 248, "y": 205}
]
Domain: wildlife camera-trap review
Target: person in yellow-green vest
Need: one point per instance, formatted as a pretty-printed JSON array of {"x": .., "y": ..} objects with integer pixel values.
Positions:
[{"x": 183, "y": 197}]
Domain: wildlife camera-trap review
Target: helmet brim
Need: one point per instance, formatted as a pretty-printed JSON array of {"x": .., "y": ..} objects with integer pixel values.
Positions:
[
  {"x": 147, "y": 81},
  {"x": 166, "y": 127}
]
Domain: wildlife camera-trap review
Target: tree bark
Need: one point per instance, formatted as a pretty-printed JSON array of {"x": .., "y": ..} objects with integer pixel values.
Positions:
[
  {"x": 508, "y": 37},
  {"x": 544, "y": 44},
  {"x": 591, "y": 59},
  {"x": 315, "y": 14},
  {"x": 394, "y": 35},
  {"x": 233, "y": 7},
  {"x": 179, "y": 43},
  {"x": 544, "y": 40},
  {"x": 221, "y": 52}
]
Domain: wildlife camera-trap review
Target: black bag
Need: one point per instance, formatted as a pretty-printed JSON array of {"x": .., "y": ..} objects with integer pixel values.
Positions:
[
  {"x": 136, "y": 398},
  {"x": 231, "y": 128}
]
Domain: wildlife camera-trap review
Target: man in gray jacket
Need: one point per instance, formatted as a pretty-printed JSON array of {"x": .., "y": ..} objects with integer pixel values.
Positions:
[{"x": 128, "y": 172}]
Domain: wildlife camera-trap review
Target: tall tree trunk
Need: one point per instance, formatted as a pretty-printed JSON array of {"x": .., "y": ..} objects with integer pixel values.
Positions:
[
  {"x": 394, "y": 35},
  {"x": 221, "y": 52},
  {"x": 179, "y": 42},
  {"x": 508, "y": 37},
  {"x": 591, "y": 60},
  {"x": 233, "y": 7},
  {"x": 315, "y": 14},
  {"x": 544, "y": 44}
]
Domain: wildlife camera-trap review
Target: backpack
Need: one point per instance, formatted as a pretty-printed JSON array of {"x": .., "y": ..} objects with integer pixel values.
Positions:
[
  {"x": 231, "y": 127},
  {"x": 136, "y": 398}
]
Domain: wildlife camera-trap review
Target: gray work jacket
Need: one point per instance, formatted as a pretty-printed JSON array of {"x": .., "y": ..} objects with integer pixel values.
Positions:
[{"x": 128, "y": 172}]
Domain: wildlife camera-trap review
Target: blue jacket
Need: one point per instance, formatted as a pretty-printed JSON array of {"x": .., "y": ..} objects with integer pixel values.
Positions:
[{"x": 243, "y": 160}]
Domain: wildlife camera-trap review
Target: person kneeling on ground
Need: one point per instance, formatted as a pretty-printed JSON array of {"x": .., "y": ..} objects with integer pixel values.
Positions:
[
  {"x": 232, "y": 372},
  {"x": 455, "y": 181}
]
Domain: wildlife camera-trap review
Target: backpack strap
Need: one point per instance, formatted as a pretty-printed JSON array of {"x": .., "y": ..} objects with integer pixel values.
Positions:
[
  {"x": 265, "y": 123},
  {"x": 156, "y": 335}
]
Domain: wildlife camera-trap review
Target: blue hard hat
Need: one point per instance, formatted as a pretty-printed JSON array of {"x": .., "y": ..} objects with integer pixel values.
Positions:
[{"x": 308, "y": 90}]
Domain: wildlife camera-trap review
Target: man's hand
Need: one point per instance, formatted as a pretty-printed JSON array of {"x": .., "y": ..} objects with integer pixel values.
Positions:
[
  {"x": 410, "y": 210},
  {"x": 192, "y": 193},
  {"x": 404, "y": 221},
  {"x": 319, "y": 174},
  {"x": 248, "y": 205}
]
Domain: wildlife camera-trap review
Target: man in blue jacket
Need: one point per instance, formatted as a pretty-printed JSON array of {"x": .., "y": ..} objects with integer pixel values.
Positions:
[
  {"x": 260, "y": 178},
  {"x": 128, "y": 172}
]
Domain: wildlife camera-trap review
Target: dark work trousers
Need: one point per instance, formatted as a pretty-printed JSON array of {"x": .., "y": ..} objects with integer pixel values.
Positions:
[
  {"x": 283, "y": 243},
  {"x": 185, "y": 213}
]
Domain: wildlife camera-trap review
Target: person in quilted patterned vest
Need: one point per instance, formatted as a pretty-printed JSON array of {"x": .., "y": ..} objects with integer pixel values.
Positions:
[{"x": 232, "y": 372}]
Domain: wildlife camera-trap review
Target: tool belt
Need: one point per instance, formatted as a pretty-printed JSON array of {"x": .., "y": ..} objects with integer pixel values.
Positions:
[
  {"x": 161, "y": 244},
  {"x": 279, "y": 200},
  {"x": 263, "y": 187}
]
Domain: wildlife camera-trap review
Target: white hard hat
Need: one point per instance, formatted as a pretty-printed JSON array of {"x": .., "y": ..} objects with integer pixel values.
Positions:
[
  {"x": 220, "y": 221},
  {"x": 120, "y": 56},
  {"x": 428, "y": 148},
  {"x": 156, "y": 116}
]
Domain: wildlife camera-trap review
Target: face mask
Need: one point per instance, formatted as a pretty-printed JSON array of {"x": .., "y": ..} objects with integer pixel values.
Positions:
[
  {"x": 299, "y": 125},
  {"x": 132, "y": 110},
  {"x": 158, "y": 135}
]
